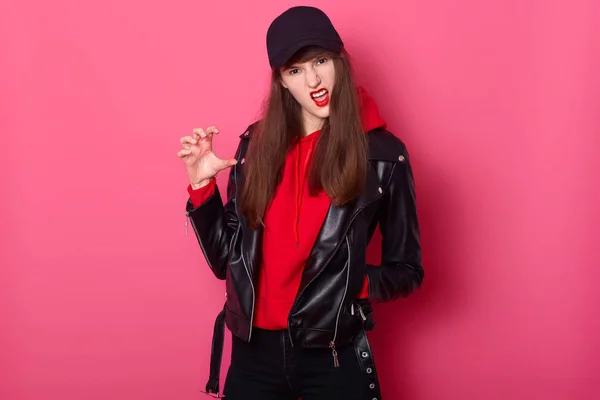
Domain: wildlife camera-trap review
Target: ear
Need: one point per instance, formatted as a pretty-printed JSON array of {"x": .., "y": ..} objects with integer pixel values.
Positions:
[{"x": 282, "y": 83}]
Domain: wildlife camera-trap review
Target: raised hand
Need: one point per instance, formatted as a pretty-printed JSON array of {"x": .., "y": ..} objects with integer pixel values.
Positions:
[{"x": 201, "y": 161}]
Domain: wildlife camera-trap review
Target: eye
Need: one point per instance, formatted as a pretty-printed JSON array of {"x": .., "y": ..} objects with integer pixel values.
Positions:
[
  {"x": 294, "y": 71},
  {"x": 321, "y": 61}
]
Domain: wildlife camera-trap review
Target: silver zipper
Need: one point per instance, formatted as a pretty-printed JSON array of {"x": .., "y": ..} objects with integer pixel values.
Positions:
[
  {"x": 336, "y": 362},
  {"x": 356, "y": 212},
  {"x": 362, "y": 314},
  {"x": 199, "y": 241},
  {"x": 253, "y": 296},
  {"x": 330, "y": 257},
  {"x": 241, "y": 253},
  {"x": 327, "y": 262}
]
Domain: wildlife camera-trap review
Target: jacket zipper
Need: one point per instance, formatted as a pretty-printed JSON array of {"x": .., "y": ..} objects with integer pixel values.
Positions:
[
  {"x": 360, "y": 311},
  {"x": 199, "y": 241},
  {"x": 299, "y": 295},
  {"x": 362, "y": 314},
  {"x": 336, "y": 361},
  {"x": 241, "y": 255},
  {"x": 253, "y": 297}
]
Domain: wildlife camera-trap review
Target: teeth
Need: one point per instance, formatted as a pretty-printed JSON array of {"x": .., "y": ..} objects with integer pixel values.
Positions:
[{"x": 319, "y": 94}]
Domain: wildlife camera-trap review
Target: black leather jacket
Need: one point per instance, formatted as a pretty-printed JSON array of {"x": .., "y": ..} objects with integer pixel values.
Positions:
[{"x": 325, "y": 312}]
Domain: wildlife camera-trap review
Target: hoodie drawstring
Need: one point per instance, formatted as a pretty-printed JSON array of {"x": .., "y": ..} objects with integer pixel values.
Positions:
[{"x": 300, "y": 186}]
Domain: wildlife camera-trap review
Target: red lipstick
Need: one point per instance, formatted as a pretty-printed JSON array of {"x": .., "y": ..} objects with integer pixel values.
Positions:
[{"x": 322, "y": 100}]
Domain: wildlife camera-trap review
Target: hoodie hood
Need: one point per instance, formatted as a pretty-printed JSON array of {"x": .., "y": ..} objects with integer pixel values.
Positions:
[{"x": 369, "y": 113}]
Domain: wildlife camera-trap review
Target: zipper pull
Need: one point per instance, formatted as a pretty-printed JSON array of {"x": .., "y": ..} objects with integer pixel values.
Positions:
[
  {"x": 352, "y": 309},
  {"x": 187, "y": 221},
  {"x": 362, "y": 314},
  {"x": 336, "y": 361}
]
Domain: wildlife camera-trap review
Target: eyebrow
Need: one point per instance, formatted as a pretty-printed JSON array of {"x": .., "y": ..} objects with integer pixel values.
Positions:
[{"x": 313, "y": 59}]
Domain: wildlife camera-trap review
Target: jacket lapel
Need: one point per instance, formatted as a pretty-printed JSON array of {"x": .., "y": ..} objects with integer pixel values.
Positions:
[
  {"x": 251, "y": 238},
  {"x": 334, "y": 228}
]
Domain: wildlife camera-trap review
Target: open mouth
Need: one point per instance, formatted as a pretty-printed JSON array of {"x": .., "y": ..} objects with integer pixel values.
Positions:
[{"x": 320, "y": 97}]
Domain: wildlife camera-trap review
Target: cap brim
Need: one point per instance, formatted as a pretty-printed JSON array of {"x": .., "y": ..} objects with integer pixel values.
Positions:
[{"x": 282, "y": 58}]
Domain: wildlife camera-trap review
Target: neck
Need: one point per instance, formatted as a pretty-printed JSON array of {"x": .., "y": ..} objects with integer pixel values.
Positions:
[{"x": 311, "y": 123}]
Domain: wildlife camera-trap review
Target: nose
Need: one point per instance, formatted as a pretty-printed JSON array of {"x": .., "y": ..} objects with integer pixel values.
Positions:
[{"x": 312, "y": 78}]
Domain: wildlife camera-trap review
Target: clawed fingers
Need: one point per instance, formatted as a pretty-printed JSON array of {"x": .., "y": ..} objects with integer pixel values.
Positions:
[
  {"x": 212, "y": 130},
  {"x": 200, "y": 132},
  {"x": 199, "y": 135},
  {"x": 183, "y": 153},
  {"x": 188, "y": 140}
]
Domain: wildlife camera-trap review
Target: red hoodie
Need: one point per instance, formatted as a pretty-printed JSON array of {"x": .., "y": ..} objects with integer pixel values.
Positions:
[{"x": 290, "y": 234}]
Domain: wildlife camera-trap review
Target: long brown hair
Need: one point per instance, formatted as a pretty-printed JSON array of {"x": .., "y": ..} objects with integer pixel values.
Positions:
[{"x": 339, "y": 163}]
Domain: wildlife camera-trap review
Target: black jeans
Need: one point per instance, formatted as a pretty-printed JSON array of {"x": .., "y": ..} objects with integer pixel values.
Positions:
[{"x": 269, "y": 368}]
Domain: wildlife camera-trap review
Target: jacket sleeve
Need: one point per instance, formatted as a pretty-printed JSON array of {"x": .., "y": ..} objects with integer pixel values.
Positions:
[
  {"x": 200, "y": 195},
  {"x": 400, "y": 271},
  {"x": 215, "y": 224}
]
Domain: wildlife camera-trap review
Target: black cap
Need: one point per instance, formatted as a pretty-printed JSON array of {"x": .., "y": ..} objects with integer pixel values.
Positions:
[{"x": 299, "y": 27}]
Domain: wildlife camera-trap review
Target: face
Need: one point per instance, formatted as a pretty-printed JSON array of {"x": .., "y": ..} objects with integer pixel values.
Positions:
[{"x": 311, "y": 84}]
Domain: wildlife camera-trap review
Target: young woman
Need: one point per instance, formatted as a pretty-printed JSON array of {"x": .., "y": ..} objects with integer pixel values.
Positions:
[{"x": 309, "y": 184}]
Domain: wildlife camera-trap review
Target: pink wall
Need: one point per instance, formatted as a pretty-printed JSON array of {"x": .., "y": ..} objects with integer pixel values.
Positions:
[{"x": 102, "y": 296}]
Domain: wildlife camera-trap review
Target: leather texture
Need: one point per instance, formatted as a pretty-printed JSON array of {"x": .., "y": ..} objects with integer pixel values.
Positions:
[
  {"x": 324, "y": 313},
  {"x": 216, "y": 354}
]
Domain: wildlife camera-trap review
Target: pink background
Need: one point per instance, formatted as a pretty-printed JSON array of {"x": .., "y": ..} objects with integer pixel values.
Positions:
[{"x": 102, "y": 296}]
